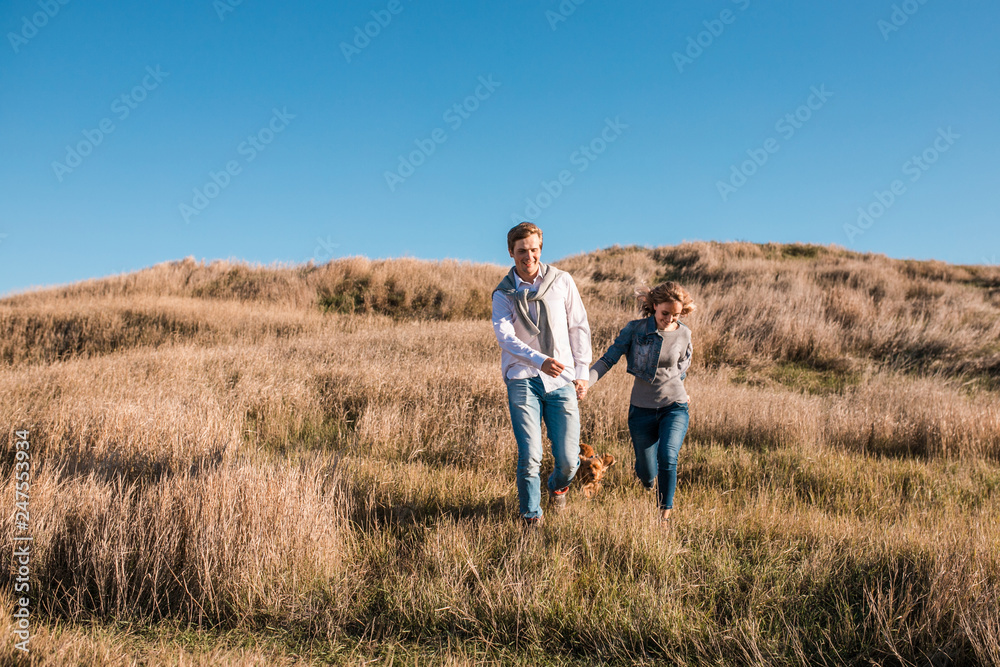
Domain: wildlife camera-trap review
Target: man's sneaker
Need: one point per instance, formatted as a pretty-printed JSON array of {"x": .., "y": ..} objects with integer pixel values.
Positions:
[
  {"x": 557, "y": 499},
  {"x": 531, "y": 521}
]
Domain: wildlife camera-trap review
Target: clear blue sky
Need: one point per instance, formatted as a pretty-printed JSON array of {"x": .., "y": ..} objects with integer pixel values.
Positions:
[{"x": 663, "y": 119}]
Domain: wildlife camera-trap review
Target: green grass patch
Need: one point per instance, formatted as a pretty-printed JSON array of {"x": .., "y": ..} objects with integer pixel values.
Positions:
[
  {"x": 798, "y": 376},
  {"x": 261, "y": 431},
  {"x": 347, "y": 297},
  {"x": 800, "y": 251},
  {"x": 811, "y": 380}
]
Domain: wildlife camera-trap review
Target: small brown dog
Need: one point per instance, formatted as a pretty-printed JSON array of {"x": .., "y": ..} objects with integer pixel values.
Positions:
[{"x": 592, "y": 469}]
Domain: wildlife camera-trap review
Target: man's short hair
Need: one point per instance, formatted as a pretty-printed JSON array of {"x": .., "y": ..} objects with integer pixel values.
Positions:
[{"x": 522, "y": 231}]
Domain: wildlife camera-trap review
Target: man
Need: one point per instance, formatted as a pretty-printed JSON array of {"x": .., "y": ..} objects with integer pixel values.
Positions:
[{"x": 545, "y": 355}]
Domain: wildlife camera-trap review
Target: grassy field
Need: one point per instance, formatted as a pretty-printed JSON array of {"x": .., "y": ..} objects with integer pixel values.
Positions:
[{"x": 275, "y": 465}]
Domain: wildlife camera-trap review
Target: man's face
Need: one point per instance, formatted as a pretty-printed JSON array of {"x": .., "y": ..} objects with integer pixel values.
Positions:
[{"x": 527, "y": 253}]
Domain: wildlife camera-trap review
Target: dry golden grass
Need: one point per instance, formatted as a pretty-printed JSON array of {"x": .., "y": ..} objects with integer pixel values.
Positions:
[{"x": 320, "y": 458}]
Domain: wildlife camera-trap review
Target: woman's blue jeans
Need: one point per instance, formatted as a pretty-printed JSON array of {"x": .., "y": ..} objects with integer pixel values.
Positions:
[
  {"x": 529, "y": 405},
  {"x": 657, "y": 436}
]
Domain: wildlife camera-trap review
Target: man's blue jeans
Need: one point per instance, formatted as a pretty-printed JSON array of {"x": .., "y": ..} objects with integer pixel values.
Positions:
[
  {"x": 529, "y": 404},
  {"x": 657, "y": 436}
]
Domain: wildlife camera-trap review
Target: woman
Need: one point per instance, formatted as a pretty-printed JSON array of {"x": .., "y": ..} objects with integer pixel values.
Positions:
[{"x": 658, "y": 353}]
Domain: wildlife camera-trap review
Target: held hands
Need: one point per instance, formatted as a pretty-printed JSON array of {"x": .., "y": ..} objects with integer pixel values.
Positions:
[{"x": 553, "y": 368}]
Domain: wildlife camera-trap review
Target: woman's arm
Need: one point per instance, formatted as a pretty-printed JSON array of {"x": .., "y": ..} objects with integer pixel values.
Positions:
[
  {"x": 685, "y": 363},
  {"x": 614, "y": 353}
]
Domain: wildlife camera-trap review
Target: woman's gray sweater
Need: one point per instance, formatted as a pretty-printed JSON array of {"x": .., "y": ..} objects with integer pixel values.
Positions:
[{"x": 667, "y": 387}]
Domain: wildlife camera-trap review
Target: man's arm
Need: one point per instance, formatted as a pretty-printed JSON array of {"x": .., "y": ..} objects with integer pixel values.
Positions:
[
  {"x": 579, "y": 332},
  {"x": 503, "y": 327}
]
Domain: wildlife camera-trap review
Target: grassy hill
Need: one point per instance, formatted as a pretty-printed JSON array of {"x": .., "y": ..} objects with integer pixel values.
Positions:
[{"x": 238, "y": 464}]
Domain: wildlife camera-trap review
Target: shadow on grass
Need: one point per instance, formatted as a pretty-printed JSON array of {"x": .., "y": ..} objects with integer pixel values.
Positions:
[
  {"x": 130, "y": 468},
  {"x": 374, "y": 510}
]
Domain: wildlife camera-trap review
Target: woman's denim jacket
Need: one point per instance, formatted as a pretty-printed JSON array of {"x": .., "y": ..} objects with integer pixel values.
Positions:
[{"x": 642, "y": 344}]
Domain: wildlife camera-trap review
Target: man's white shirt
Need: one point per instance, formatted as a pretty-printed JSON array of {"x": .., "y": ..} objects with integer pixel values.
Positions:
[{"x": 520, "y": 354}]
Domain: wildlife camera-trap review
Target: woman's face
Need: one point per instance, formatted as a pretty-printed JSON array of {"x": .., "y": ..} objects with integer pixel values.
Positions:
[{"x": 666, "y": 314}]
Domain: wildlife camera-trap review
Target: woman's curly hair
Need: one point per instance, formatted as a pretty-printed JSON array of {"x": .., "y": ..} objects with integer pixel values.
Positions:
[{"x": 668, "y": 291}]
